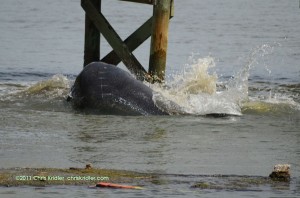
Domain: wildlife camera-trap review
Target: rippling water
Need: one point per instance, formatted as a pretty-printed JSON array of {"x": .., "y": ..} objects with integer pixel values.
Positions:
[{"x": 235, "y": 57}]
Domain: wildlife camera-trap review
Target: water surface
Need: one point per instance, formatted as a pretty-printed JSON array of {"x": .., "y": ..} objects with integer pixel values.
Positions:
[{"x": 237, "y": 57}]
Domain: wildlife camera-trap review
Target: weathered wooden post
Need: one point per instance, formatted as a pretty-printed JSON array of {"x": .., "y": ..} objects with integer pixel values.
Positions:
[
  {"x": 92, "y": 38},
  {"x": 159, "y": 39}
]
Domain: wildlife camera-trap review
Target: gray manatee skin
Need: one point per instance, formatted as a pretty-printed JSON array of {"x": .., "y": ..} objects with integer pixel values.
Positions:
[{"x": 106, "y": 89}]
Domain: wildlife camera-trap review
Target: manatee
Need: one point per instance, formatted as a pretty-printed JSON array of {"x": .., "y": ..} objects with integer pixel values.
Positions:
[{"x": 106, "y": 89}]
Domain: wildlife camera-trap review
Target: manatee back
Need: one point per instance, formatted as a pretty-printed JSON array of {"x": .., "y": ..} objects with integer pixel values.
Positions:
[{"x": 106, "y": 88}]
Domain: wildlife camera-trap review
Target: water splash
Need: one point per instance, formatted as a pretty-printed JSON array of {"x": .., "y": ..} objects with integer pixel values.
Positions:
[
  {"x": 263, "y": 100},
  {"x": 195, "y": 90},
  {"x": 195, "y": 78},
  {"x": 56, "y": 86},
  {"x": 239, "y": 84},
  {"x": 46, "y": 95}
]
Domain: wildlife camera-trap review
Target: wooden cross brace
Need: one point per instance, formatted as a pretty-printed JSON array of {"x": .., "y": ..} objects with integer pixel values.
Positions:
[{"x": 122, "y": 51}]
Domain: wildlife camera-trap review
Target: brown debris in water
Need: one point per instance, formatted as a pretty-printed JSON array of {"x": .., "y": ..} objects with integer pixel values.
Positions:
[{"x": 281, "y": 172}]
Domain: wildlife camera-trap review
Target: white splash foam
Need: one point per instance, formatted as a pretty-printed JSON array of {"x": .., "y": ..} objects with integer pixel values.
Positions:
[
  {"x": 55, "y": 86},
  {"x": 194, "y": 91}
]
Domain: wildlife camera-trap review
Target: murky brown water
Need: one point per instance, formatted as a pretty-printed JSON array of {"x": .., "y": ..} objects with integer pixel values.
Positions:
[{"x": 256, "y": 42}]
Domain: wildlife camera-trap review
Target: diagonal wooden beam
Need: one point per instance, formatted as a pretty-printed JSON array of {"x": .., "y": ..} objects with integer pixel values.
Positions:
[
  {"x": 132, "y": 42},
  {"x": 114, "y": 40}
]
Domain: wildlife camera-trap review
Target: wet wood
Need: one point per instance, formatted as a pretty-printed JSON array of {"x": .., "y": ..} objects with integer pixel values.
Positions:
[
  {"x": 92, "y": 38},
  {"x": 156, "y": 26},
  {"x": 132, "y": 42},
  {"x": 114, "y": 40},
  {"x": 159, "y": 40}
]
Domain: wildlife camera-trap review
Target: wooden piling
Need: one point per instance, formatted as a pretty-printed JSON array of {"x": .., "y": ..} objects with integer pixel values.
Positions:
[
  {"x": 156, "y": 26},
  {"x": 114, "y": 40},
  {"x": 92, "y": 38},
  {"x": 159, "y": 39}
]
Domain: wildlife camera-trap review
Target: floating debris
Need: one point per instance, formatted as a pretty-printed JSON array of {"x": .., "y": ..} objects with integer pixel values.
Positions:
[
  {"x": 112, "y": 185},
  {"x": 88, "y": 166},
  {"x": 281, "y": 172}
]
